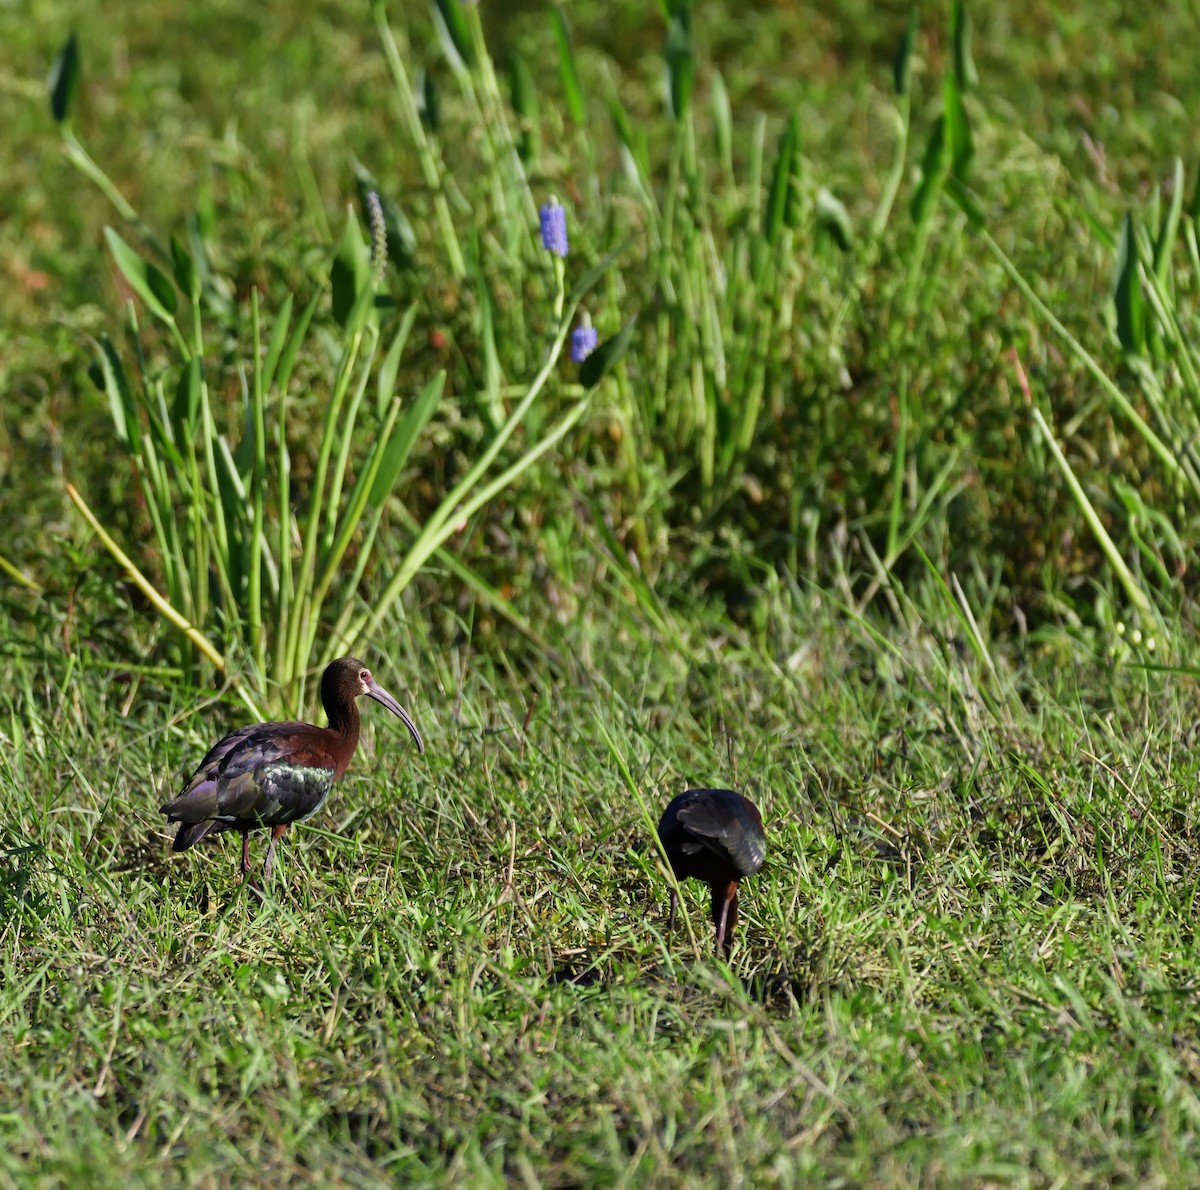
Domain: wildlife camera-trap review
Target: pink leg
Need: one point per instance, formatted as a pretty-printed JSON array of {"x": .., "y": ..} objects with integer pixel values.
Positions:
[
  {"x": 724, "y": 908},
  {"x": 276, "y": 831}
]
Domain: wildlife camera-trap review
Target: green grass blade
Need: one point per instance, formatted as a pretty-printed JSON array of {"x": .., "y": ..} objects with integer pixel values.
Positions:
[
  {"x": 567, "y": 72},
  {"x": 902, "y": 63},
  {"x": 781, "y": 183},
  {"x": 1135, "y": 594},
  {"x": 400, "y": 445},
  {"x": 1127, "y": 292}
]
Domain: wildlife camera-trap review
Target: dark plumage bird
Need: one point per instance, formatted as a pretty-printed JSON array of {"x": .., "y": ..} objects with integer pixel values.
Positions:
[
  {"x": 274, "y": 774},
  {"x": 714, "y": 835}
]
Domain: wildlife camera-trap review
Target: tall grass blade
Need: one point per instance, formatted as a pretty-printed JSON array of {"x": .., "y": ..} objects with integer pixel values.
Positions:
[
  {"x": 1127, "y": 292},
  {"x": 389, "y": 368},
  {"x": 1134, "y": 592},
  {"x": 680, "y": 61},
  {"x": 1164, "y": 244},
  {"x": 523, "y": 95},
  {"x": 958, "y": 129},
  {"x": 781, "y": 183},
  {"x": 567, "y": 72},
  {"x": 902, "y": 63},
  {"x": 965, "y": 74},
  {"x": 455, "y": 31}
]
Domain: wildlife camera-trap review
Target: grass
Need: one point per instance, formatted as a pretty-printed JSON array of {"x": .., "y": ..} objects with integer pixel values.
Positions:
[
  {"x": 970, "y": 958},
  {"x": 885, "y": 520}
]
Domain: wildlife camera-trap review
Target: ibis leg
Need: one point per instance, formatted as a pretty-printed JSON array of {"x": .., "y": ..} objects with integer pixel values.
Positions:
[
  {"x": 725, "y": 914},
  {"x": 674, "y": 906},
  {"x": 276, "y": 831},
  {"x": 245, "y": 854}
]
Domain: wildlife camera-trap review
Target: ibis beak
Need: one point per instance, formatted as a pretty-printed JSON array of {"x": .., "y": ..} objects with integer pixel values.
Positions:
[{"x": 381, "y": 696}]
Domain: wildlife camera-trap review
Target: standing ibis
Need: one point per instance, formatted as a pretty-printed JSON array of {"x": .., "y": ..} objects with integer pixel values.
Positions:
[
  {"x": 714, "y": 835},
  {"x": 274, "y": 774}
]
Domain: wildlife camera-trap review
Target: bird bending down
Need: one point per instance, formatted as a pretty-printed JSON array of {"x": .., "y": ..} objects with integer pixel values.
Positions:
[
  {"x": 714, "y": 835},
  {"x": 274, "y": 774}
]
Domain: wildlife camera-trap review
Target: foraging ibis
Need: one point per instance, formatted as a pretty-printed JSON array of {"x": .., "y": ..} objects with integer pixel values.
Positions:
[
  {"x": 274, "y": 774},
  {"x": 714, "y": 835}
]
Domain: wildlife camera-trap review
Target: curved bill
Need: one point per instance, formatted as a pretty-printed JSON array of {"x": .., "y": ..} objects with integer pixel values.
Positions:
[{"x": 381, "y": 696}]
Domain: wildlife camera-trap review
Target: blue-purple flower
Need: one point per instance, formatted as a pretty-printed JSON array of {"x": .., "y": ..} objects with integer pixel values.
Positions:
[
  {"x": 554, "y": 227},
  {"x": 583, "y": 342}
]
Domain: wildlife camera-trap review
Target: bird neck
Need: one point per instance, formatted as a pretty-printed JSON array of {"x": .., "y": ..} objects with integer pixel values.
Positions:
[{"x": 344, "y": 720}]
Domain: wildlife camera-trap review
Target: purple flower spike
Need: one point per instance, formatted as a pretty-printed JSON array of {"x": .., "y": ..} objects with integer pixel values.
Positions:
[
  {"x": 583, "y": 342},
  {"x": 554, "y": 228}
]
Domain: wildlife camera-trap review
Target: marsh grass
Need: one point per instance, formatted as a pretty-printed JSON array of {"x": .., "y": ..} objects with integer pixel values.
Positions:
[{"x": 971, "y": 950}]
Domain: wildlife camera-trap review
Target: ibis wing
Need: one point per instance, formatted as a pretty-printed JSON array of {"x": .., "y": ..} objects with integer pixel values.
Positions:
[
  {"x": 733, "y": 836},
  {"x": 292, "y": 792},
  {"x": 226, "y": 785}
]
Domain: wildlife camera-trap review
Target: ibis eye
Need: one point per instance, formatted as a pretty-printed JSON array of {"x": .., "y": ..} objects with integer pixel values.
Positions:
[{"x": 364, "y": 676}]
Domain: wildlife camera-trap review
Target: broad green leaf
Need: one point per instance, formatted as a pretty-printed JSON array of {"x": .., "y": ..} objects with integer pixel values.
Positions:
[
  {"x": 902, "y": 63},
  {"x": 602, "y": 360},
  {"x": 120, "y": 397},
  {"x": 958, "y": 130},
  {"x": 569, "y": 76},
  {"x": 64, "y": 79},
  {"x": 403, "y": 438},
  {"x": 186, "y": 276},
  {"x": 147, "y": 280},
  {"x": 934, "y": 166},
  {"x": 1127, "y": 293},
  {"x": 350, "y": 275}
]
